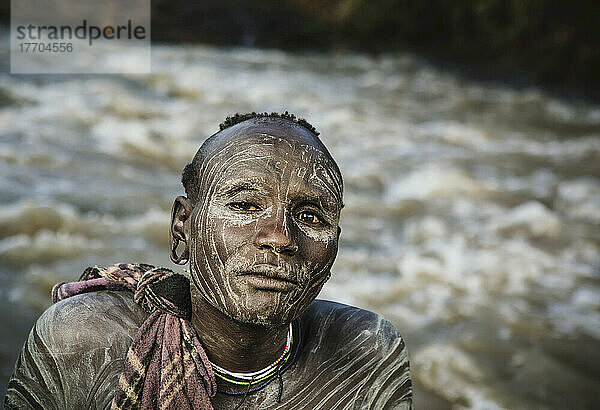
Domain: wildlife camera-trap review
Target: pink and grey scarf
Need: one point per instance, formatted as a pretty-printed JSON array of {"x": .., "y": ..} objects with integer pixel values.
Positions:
[{"x": 166, "y": 366}]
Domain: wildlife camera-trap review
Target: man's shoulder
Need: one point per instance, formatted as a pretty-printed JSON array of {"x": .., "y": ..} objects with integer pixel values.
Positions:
[
  {"x": 343, "y": 324},
  {"x": 74, "y": 354},
  {"x": 359, "y": 357},
  {"x": 350, "y": 319},
  {"x": 98, "y": 319}
]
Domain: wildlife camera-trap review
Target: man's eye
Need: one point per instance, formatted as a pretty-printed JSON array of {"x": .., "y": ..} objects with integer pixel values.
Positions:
[
  {"x": 309, "y": 218},
  {"x": 243, "y": 206}
]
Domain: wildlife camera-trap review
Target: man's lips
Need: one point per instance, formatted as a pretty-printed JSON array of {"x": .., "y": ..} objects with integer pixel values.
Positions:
[{"x": 269, "y": 277}]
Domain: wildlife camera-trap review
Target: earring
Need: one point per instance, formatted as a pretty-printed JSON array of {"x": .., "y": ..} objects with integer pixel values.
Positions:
[{"x": 179, "y": 259}]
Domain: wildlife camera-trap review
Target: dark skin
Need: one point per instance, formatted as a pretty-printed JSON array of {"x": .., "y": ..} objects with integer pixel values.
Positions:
[{"x": 261, "y": 239}]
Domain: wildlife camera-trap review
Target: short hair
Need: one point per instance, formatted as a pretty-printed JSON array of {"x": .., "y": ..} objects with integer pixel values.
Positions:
[
  {"x": 189, "y": 176},
  {"x": 237, "y": 118}
]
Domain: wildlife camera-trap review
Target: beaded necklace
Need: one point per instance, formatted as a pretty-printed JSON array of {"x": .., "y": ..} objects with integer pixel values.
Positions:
[{"x": 259, "y": 379}]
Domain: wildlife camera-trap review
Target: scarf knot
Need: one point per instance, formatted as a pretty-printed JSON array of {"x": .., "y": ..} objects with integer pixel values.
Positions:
[{"x": 162, "y": 289}]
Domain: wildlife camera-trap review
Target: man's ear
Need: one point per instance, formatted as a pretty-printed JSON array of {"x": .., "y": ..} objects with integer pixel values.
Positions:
[{"x": 180, "y": 214}]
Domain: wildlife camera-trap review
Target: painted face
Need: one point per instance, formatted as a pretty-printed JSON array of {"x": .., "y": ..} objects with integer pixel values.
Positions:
[{"x": 265, "y": 233}]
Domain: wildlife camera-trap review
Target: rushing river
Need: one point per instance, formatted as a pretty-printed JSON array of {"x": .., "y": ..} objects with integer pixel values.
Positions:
[{"x": 472, "y": 216}]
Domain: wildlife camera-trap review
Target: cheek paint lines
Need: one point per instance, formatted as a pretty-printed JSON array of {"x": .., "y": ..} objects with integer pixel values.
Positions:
[
  {"x": 213, "y": 290},
  {"x": 327, "y": 236},
  {"x": 204, "y": 275},
  {"x": 314, "y": 283}
]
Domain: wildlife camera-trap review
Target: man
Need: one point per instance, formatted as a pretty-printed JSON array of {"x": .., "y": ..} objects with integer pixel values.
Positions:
[{"x": 259, "y": 227}]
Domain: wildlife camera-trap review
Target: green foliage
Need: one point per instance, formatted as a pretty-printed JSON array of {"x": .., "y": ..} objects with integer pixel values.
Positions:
[{"x": 554, "y": 42}]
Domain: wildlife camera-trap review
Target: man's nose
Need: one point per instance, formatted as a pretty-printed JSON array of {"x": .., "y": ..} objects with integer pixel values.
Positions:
[{"x": 274, "y": 233}]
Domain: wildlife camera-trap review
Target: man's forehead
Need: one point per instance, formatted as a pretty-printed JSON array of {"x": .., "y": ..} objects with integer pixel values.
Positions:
[
  {"x": 272, "y": 161},
  {"x": 272, "y": 149}
]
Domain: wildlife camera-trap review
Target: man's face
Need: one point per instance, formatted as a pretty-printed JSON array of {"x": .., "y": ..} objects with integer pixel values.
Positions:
[{"x": 265, "y": 231}]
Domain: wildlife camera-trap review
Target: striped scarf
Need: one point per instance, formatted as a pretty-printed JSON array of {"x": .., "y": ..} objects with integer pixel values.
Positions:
[{"x": 166, "y": 366}]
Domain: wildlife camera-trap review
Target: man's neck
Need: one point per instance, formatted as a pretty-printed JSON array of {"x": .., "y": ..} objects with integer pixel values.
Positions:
[{"x": 235, "y": 346}]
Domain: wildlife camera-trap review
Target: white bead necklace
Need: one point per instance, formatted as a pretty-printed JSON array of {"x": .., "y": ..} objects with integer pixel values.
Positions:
[{"x": 245, "y": 378}]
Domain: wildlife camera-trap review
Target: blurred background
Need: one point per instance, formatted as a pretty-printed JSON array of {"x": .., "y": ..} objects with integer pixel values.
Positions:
[{"x": 467, "y": 133}]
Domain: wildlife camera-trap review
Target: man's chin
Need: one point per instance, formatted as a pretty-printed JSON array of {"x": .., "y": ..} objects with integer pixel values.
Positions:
[{"x": 264, "y": 319}]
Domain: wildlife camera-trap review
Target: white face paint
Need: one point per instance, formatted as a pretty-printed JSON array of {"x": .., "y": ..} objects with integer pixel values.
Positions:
[{"x": 265, "y": 231}]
